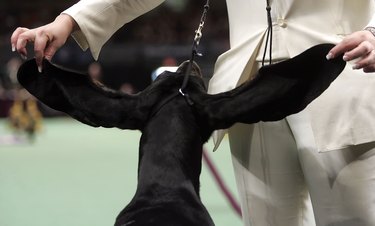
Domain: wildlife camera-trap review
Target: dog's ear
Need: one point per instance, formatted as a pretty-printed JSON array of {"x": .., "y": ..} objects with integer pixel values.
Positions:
[
  {"x": 275, "y": 92},
  {"x": 76, "y": 95}
]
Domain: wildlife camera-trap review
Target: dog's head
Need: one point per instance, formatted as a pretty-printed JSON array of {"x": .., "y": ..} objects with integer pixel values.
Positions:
[
  {"x": 185, "y": 67},
  {"x": 173, "y": 81},
  {"x": 168, "y": 84},
  {"x": 194, "y": 68}
]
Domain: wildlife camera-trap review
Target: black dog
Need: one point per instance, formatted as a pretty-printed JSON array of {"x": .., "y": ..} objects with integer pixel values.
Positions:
[{"x": 174, "y": 131}]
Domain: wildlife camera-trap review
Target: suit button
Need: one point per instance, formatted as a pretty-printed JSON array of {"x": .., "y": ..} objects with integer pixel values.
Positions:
[{"x": 282, "y": 23}]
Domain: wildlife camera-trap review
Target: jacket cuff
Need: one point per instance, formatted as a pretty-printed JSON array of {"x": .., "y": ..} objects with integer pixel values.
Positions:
[{"x": 98, "y": 20}]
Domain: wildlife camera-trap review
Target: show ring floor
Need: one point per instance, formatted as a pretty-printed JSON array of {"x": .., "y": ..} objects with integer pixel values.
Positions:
[{"x": 76, "y": 175}]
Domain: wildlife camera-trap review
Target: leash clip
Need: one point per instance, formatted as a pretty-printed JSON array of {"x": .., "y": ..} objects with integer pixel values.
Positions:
[
  {"x": 187, "y": 97},
  {"x": 181, "y": 92},
  {"x": 198, "y": 33}
]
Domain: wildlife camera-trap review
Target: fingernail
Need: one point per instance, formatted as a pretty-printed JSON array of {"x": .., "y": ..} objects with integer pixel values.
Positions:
[
  {"x": 13, "y": 48},
  {"x": 23, "y": 56},
  {"x": 355, "y": 67},
  {"x": 329, "y": 56},
  {"x": 345, "y": 58},
  {"x": 40, "y": 69}
]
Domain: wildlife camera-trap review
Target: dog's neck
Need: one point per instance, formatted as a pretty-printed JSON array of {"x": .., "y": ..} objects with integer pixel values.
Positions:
[{"x": 171, "y": 150}]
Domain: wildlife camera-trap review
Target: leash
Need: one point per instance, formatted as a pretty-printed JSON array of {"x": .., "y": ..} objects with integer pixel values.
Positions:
[
  {"x": 211, "y": 166},
  {"x": 269, "y": 35},
  {"x": 199, "y": 34},
  {"x": 194, "y": 52}
]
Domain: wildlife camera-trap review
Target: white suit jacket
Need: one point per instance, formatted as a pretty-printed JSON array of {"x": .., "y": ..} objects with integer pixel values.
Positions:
[{"x": 342, "y": 116}]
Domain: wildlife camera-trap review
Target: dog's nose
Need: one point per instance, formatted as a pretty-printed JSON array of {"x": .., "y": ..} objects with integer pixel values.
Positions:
[{"x": 195, "y": 69}]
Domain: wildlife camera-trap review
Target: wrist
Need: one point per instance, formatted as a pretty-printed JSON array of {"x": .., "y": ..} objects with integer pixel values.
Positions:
[
  {"x": 68, "y": 22},
  {"x": 371, "y": 30}
]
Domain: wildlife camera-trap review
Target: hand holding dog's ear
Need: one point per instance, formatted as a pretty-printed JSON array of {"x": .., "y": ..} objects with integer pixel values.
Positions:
[
  {"x": 360, "y": 47},
  {"x": 47, "y": 39}
]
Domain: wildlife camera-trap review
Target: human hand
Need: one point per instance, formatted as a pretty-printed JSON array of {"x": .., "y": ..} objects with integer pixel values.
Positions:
[
  {"x": 47, "y": 39},
  {"x": 359, "y": 46}
]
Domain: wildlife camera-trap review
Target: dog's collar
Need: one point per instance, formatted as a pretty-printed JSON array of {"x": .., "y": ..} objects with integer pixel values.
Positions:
[
  {"x": 161, "y": 104},
  {"x": 187, "y": 97}
]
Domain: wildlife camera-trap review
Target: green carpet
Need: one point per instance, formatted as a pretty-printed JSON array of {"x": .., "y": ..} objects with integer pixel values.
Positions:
[{"x": 76, "y": 175}]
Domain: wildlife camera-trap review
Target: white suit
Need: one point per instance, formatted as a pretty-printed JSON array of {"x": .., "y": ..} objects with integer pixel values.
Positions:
[{"x": 274, "y": 161}]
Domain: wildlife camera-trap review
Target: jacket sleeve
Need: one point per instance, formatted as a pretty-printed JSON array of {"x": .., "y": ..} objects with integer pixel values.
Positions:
[
  {"x": 100, "y": 19},
  {"x": 371, "y": 22}
]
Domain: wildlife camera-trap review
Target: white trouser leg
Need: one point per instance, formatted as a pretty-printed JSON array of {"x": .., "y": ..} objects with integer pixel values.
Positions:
[
  {"x": 341, "y": 182},
  {"x": 269, "y": 176}
]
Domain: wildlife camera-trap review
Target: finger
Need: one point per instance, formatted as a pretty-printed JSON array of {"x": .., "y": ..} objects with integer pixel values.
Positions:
[
  {"x": 50, "y": 51},
  {"x": 366, "y": 61},
  {"x": 14, "y": 37},
  {"x": 21, "y": 47},
  {"x": 369, "y": 69},
  {"x": 40, "y": 44},
  {"x": 346, "y": 45},
  {"x": 361, "y": 50},
  {"x": 23, "y": 39}
]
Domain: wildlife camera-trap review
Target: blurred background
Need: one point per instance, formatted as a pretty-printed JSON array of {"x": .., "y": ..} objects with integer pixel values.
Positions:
[
  {"x": 161, "y": 37},
  {"x": 56, "y": 171}
]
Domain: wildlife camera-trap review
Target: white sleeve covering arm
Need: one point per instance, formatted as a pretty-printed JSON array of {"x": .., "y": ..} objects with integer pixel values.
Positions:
[
  {"x": 98, "y": 20},
  {"x": 371, "y": 22}
]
